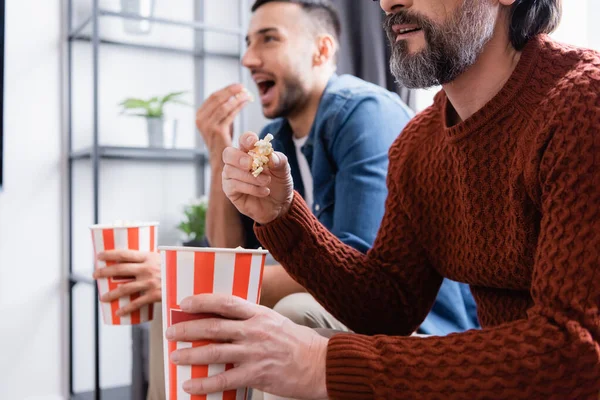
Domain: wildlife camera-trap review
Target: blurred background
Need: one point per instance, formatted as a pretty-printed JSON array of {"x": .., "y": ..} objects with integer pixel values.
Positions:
[{"x": 71, "y": 157}]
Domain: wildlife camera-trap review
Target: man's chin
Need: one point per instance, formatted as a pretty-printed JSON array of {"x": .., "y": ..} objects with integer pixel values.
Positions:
[
  {"x": 410, "y": 49},
  {"x": 415, "y": 50},
  {"x": 270, "y": 111}
]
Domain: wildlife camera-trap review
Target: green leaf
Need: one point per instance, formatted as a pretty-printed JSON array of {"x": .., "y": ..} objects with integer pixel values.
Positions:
[
  {"x": 171, "y": 97},
  {"x": 135, "y": 103},
  {"x": 153, "y": 113},
  {"x": 185, "y": 228},
  {"x": 194, "y": 223},
  {"x": 152, "y": 108}
]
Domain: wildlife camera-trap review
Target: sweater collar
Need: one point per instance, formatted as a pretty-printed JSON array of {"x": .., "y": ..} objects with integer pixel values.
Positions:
[{"x": 512, "y": 92}]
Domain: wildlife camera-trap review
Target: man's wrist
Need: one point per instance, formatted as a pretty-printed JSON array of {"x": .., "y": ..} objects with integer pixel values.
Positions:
[
  {"x": 216, "y": 149},
  {"x": 215, "y": 157},
  {"x": 285, "y": 210},
  {"x": 321, "y": 369},
  {"x": 216, "y": 167},
  {"x": 282, "y": 212}
]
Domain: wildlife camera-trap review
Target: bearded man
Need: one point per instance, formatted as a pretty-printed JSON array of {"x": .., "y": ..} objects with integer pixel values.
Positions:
[{"x": 497, "y": 185}]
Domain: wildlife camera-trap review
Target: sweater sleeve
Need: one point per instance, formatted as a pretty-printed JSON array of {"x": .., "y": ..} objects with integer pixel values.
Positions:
[
  {"x": 389, "y": 290},
  {"x": 553, "y": 353}
]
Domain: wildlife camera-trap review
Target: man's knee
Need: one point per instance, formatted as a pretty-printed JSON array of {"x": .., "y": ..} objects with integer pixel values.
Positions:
[
  {"x": 304, "y": 310},
  {"x": 300, "y": 308}
]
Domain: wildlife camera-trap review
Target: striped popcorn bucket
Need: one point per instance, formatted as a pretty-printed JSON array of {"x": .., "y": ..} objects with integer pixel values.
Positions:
[
  {"x": 191, "y": 271},
  {"x": 142, "y": 237}
]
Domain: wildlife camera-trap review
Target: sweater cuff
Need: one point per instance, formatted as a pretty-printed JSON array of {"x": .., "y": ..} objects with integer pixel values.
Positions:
[
  {"x": 282, "y": 235},
  {"x": 352, "y": 365}
]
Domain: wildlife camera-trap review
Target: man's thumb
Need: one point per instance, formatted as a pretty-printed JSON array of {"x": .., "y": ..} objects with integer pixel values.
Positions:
[{"x": 278, "y": 162}]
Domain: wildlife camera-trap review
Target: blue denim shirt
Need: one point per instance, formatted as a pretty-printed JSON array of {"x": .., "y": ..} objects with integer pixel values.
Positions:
[{"x": 347, "y": 151}]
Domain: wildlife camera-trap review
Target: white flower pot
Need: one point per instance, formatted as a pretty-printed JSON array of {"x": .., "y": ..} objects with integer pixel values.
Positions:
[
  {"x": 143, "y": 8},
  {"x": 162, "y": 133}
]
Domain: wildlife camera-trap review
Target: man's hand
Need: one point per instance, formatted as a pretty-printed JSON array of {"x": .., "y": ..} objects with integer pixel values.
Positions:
[
  {"x": 215, "y": 117},
  {"x": 264, "y": 198},
  {"x": 270, "y": 353},
  {"x": 143, "y": 266}
]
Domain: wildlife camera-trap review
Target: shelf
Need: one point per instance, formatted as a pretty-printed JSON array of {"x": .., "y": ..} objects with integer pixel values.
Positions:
[
  {"x": 80, "y": 28},
  {"x": 96, "y": 35},
  {"x": 199, "y": 26},
  {"x": 165, "y": 49},
  {"x": 161, "y": 21},
  {"x": 142, "y": 154},
  {"x": 78, "y": 278}
]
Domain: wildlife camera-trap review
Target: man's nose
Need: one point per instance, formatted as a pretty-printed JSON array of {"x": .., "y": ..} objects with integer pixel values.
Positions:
[
  {"x": 250, "y": 59},
  {"x": 392, "y": 6}
]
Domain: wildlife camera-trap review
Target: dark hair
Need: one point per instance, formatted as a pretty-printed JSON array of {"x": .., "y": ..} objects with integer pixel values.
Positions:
[
  {"x": 323, "y": 12},
  {"x": 529, "y": 18}
]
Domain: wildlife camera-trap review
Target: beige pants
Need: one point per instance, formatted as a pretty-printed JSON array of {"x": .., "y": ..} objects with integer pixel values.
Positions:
[
  {"x": 301, "y": 308},
  {"x": 156, "y": 387},
  {"x": 304, "y": 310}
]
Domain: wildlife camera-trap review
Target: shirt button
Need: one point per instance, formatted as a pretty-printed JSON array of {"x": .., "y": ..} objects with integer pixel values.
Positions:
[{"x": 317, "y": 207}]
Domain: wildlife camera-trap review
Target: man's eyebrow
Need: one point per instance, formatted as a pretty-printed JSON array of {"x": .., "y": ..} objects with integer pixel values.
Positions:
[{"x": 261, "y": 32}]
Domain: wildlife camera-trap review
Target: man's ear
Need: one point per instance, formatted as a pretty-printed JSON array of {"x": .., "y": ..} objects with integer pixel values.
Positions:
[{"x": 326, "y": 49}]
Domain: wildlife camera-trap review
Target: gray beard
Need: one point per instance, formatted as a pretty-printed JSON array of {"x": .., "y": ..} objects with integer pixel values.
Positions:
[{"x": 452, "y": 48}]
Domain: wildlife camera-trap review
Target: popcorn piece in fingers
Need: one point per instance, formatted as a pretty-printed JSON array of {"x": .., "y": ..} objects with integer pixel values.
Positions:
[
  {"x": 260, "y": 155},
  {"x": 250, "y": 96}
]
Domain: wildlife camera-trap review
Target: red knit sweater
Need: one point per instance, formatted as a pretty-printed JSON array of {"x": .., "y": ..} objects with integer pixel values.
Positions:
[{"x": 508, "y": 202}]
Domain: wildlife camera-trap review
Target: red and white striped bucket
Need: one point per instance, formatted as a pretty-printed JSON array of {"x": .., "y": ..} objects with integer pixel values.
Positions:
[
  {"x": 191, "y": 271},
  {"x": 142, "y": 237}
]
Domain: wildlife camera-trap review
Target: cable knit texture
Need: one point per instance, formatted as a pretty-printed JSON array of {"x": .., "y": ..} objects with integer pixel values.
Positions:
[{"x": 507, "y": 201}]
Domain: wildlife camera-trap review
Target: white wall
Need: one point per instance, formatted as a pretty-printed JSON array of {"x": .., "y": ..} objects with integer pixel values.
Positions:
[
  {"x": 575, "y": 28},
  {"x": 31, "y": 279}
]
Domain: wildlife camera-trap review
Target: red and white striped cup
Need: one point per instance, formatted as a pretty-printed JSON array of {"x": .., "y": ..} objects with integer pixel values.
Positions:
[
  {"x": 138, "y": 236},
  {"x": 190, "y": 271}
]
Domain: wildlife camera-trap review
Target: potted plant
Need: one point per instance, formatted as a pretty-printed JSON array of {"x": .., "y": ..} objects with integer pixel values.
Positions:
[
  {"x": 153, "y": 110},
  {"x": 194, "y": 223}
]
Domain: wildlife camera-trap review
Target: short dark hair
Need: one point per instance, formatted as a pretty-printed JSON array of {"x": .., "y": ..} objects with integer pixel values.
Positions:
[
  {"x": 323, "y": 12},
  {"x": 529, "y": 18}
]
